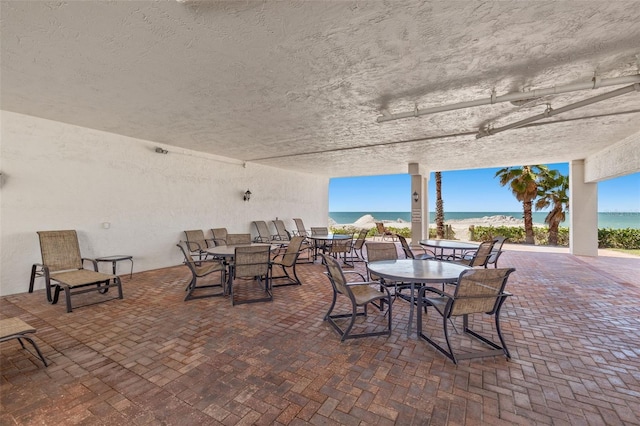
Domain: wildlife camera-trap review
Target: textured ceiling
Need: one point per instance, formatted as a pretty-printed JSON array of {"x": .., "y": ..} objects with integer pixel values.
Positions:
[{"x": 299, "y": 85}]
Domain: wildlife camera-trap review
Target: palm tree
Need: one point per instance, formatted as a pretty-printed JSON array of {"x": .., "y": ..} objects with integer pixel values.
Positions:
[
  {"x": 553, "y": 192},
  {"x": 439, "y": 207},
  {"x": 524, "y": 185}
]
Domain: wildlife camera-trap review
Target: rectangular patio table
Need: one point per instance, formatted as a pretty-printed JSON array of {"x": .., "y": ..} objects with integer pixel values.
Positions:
[{"x": 417, "y": 271}]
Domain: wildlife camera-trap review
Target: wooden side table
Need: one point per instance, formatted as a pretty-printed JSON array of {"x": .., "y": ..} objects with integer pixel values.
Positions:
[{"x": 114, "y": 260}]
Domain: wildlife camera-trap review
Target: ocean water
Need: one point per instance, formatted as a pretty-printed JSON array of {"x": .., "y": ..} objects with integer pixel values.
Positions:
[{"x": 612, "y": 220}]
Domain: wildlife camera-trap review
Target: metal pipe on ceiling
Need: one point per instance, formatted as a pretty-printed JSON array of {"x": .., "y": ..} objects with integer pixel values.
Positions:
[
  {"x": 595, "y": 83},
  {"x": 551, "y": 112}
]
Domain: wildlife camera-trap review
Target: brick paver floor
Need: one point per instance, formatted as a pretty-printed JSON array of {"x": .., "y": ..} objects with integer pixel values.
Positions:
[{"x": 573, "y": 328}]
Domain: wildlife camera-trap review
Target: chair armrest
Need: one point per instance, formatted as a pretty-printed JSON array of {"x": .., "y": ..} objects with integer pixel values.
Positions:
[
  {"x": 424, "y": 289},
  {"x": 189, "y": 246},
  {"x": 356, "y": 273},
  {"x": 95, "y": 264}
]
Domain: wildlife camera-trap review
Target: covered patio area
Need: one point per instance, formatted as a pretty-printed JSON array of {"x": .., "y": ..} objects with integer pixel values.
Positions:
[{"x": 572, "y": 326}]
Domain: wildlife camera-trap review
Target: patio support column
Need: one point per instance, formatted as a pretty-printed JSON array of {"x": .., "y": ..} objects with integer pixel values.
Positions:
[
  {"x": 583, "y": 212},
  {"x": 419, "y": 208}
]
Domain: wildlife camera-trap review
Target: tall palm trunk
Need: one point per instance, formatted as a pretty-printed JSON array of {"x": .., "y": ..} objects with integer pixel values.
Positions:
[
  {"x": 439, "y": 206},
  {"x": 528, "y": 222}
]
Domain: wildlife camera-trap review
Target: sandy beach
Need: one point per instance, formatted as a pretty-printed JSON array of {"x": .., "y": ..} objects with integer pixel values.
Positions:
[{"x": 460, "y": 227}]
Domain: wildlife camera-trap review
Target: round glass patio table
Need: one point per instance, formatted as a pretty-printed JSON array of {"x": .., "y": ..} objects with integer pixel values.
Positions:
[
  {"x": 320, "y": 240},
  {"x": 439, "y": 246},
  {"x": 417, "y": 271}
]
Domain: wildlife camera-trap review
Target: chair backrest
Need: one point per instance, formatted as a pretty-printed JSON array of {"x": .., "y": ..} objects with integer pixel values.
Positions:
[
  {"x": 300, "y": 227},
  {"x": 479, "y": 291},
  {"x": 319, "y": 231},
  {"x": 263, "y": 230},
  {"x": 336, "y": 276},
  {"x": 496, "y": 250},
  {"x": 341, "y": 245},
  {"x": 188, "y": 260},
  {"x": 482, "y": 255},
  {"x": 252, "y": 261},
  {"x": 234, "y": 239},
  {"x": 60, "y": 250},
  {"x": 405, "y": 247},
  {"x": 219, "y": 236},
  {"x": 195, "y": 240},
  {"x": 362, "y": 238},
  {"x": 380, "y": 227},
  {"x": 281, "y": 231},
  {"x": 381, "y": 251},
  {"x": 293, "y": 249}
]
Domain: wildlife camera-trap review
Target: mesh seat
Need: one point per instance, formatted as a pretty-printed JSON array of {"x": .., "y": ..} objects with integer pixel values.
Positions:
[
  {"x": 478, "y": 291},
  {"x": 15, "y": 328},
  {"x": 197, "y": 244},
  {"x": 63, "y": 268},
  {"x": 252, "y": 264},
  {"x": 360, "y": 294},
  {"x": 288, "y": 261},
  {"x": 201, "y": 269}
]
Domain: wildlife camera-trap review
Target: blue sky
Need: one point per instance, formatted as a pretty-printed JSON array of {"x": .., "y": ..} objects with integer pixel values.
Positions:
[{"x": 464, "y": 191}]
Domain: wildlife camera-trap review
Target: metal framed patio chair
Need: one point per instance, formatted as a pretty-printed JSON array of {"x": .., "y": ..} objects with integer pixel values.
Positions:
[
  {"x": 264, "y": 235},
  {"x": 357, "y": 247},
  {"x": 478, "y": 291},
  {"x": 219, "y": 236},
  {"x": 496, "y": 251},
  {"x": 63, "y": 269},
  {"x": 197, "y": 244},
  {"x": 15, "y": 328},
  {"x": 201, "y": 269},
  {"x": 408, "y": 250},
  {"x": 360, "y": 294},
  {"x": 236, "y": 239},
  {"x": 478, "y": 258},
  {"x": 252, "y": 264},
  {"x": 281, "y": 231},
  {"x": 288, "y": 261},
  {"x": 384, "y": 233},
  {"x": 387, "y": 250},
  {"x": 300, "y": 229},
  {"x": 342, "y": 247}
]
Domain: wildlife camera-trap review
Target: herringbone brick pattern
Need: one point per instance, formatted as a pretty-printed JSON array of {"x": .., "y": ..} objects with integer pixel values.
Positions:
[{"x": 573, "y": 328}]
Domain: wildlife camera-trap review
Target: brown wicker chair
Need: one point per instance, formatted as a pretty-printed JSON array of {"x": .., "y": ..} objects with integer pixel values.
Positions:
[
  {"x": 15, "y": 328},
  {"x": 63, "y": 268},
  {"x": 200, "y": 269},
  {"x": 252, "y": 263},
  {"x": 360, "y": 294},
  {"x": 478, "y": 291},
  {"x": 287, "y": 261}
]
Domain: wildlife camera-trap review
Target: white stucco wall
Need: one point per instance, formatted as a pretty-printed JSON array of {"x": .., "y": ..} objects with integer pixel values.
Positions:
[{"x": 59, "y": 176}]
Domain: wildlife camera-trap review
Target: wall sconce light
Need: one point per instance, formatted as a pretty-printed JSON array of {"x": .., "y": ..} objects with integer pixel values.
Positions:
[
  {"x": 247, "y": 195},
  {"x": 161, "y": 151},
  {"x": 415, "y": 196}
]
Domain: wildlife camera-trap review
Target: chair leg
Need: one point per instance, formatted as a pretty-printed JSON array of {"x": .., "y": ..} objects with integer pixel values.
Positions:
[{"x": 35, "y": 346}]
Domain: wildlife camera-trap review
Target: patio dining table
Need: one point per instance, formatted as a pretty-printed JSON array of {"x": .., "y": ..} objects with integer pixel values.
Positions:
[
  {"x": 439, "y": 246},
  {"x": 416, "y": 271},
  {"x": 228, "y": 254},
  {"x": 323, "y": 239}
]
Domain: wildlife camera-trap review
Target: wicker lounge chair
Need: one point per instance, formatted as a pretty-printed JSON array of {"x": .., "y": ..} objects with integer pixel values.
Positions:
[
  {"x": 252, "y": 263},
  {"x": 201, "y": 269},
  {"x": 63, "y": 268},
  {"x": 15, "y": 328},
  {"x": 360, "y": 294},
  {"x": 478, "y": 291}
]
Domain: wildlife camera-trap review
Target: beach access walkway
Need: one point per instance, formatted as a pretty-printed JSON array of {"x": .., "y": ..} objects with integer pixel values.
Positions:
[{"x": 572, "y": 326}]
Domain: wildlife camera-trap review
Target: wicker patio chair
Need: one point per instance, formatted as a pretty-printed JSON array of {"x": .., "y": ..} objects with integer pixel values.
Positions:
[
  {"x": 252, "y": 263},
  {"x": 197, "y": 244},
  {"x": 478, "y": 291},
  {"x": 408, "y": 251},
  {"x": 63, "y": 268},
  {"x": 360, "y": 294},
  {"x": 15, "y": 328},
  {"x": 287, "y": 261},
  {"x": 201, "y": 269}
]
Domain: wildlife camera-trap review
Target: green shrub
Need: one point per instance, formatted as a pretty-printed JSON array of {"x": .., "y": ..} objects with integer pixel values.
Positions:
[{"x": 628, "y": 238}]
